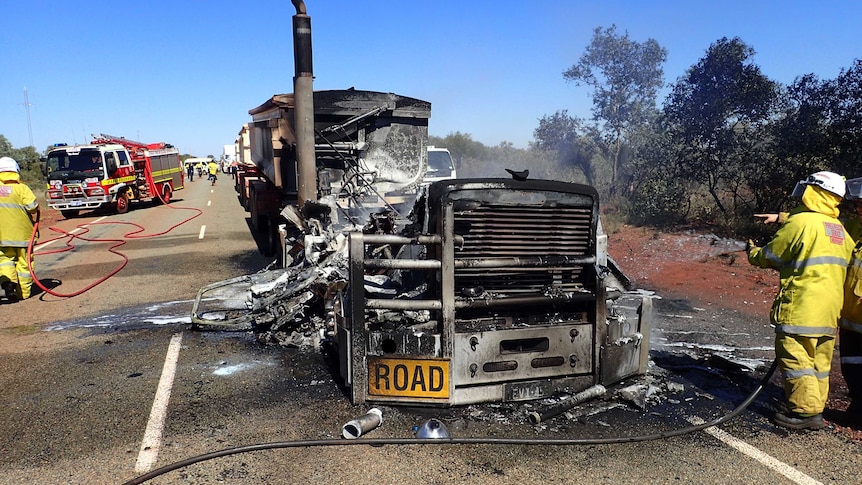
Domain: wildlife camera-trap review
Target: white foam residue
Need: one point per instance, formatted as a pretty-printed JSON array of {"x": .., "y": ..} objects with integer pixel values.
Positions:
[
  {"x": 230, "y": 369},
  {"x": 168, "y": 320},
  {"x": 226, "y": 370},
  {"x": 55, "y": 328},
  {"x": 713, "y": 347}
]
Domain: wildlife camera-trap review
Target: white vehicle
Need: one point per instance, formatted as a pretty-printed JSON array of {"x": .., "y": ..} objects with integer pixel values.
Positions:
[
  {"x": 228, "y": 157},
  {"x": 440, "y": 165}
]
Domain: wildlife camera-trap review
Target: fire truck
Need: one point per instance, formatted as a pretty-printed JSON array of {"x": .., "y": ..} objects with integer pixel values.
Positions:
[{"x": 110, "y": 171}]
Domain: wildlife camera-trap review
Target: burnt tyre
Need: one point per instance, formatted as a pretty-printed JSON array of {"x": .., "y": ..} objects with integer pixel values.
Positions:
[
  {"x": 271, "y": 243},
  {"x": 122, "y": 203},
  {"x": 70, "y": 213}
]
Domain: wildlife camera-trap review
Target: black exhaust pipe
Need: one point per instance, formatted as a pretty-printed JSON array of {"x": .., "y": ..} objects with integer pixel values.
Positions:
[{"x": 303, "y": 94}]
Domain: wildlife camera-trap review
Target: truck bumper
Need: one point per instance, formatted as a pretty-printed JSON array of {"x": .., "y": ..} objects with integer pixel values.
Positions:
[{"x": 80, "y": 203}]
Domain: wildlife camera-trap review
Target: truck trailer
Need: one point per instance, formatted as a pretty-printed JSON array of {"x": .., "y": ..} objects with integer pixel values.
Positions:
[
  {"x": 455, "y": 292},
  {"x": 110, "y": 171}
]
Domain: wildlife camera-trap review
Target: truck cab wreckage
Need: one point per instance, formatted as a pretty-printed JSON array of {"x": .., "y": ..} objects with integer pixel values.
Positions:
[{"x": 462, "y": 291}]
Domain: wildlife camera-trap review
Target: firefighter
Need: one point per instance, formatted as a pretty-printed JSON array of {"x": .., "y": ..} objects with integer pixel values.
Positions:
[
  {"x": 212, "y": 166},
  {"x": 811, "y": 251},
  {"x": 850, "y": 325},
  {"x": 19, "y": 211}
]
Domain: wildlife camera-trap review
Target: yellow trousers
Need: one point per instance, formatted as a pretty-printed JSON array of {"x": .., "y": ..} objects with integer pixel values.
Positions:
[
  {"x": 13, "y": 267},
  {"x": 806, "y": 363}
]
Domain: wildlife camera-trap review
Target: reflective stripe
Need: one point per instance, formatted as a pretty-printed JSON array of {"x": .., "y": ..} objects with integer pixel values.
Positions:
[
  {"x": 115, "y": 181},
  {"x": 6, "y": 205},
  {"x": 803, "y": 330},
  {"x": 8, "y": 263},
  {"x": 14, "y": 244},
  {"x": 817, "y": 260},
  {"x": 772, "y": 257},
  {"x": 797, "y": 373},
  {"x": 24, "y": 275},
  {"x": 850, "y": 325},
  {"x": 852, "y": 359},
  {"x": 803, "y": 263}
]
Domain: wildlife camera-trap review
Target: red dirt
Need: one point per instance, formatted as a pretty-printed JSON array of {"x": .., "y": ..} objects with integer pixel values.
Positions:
[
  {"x": 703, "y": 268},
  {"x": 711, "y": 273}
]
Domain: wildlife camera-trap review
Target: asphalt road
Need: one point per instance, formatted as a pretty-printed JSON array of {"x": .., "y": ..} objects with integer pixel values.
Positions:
[{"x": 87, "y": 379}]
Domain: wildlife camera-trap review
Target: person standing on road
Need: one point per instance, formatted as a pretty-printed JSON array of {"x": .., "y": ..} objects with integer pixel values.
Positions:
[
  {"x": 212, "y": 166},
  {"x": 850, "y": 325},
  {"x": 811, "y": 251},
  {"x": 19, "y": 211},
  {"x": 190, "y": 172}
]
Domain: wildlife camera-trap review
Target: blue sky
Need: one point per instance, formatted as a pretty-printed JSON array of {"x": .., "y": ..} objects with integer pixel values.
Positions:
[{"x": 188, "y": 72}]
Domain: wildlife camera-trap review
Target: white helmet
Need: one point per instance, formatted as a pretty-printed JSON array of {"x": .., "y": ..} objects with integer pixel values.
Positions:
[
  {"x": 828, "y": 181},
  {"x": 8, "y": 164}
]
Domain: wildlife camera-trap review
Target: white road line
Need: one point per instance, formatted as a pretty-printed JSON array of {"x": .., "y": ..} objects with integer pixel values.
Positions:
[
  {"x": 209, "y": 203},
  {"x": 788, "y": 471},
  {"x": 153, "y": 434},
  {"x": 77, "y": 229},
  {"x": 203, "y": 230}
]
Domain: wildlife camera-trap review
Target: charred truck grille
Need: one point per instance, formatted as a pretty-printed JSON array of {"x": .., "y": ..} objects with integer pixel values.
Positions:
[
  {"x": 556, "y": 234},
  {"x": 523, "y": 253}
]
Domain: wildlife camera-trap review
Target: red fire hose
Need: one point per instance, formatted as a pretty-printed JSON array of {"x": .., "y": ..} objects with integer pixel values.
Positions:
[{"x": 116, "y": 243}]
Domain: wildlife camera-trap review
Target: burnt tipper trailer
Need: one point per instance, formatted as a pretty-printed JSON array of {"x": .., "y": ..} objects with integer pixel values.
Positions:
[
  {"x": 369, "y": 151},
  {"x": 505, "y": 295}
]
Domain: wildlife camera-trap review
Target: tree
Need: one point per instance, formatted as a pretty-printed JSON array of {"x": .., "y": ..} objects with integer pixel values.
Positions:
[
  {"x": 559, "y": 133},
  {"x": 845, "y": 112},
  {"x": 28, "y": 161},
  {"x": 717, "y": 115},
  {"x": 460, "y": 145},
  {"x": 6, "y": 148},
  {"x": 625, "y": 77}
]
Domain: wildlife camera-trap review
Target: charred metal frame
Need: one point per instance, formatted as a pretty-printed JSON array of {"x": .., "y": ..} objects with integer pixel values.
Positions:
[{"x": 542, "y": 328}]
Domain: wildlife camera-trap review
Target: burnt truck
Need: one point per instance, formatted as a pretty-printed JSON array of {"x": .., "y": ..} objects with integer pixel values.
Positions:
[{"x": 462, "y": 291}]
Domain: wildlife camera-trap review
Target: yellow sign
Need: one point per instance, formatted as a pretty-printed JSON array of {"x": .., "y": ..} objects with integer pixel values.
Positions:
[{"x": 427, "y": 378}]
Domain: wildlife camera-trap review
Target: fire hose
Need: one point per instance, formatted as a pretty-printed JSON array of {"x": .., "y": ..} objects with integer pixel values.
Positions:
[
  {"x": 116, "y": 243},
  {"x": 460, "y": 441}
]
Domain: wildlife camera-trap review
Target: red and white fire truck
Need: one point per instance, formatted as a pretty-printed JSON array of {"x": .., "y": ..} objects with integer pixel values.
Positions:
[{"x": 110, "y": 170}]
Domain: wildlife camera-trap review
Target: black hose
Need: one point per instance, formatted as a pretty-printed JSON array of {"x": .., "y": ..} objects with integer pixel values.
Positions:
[{"x": 456, "y": 441}]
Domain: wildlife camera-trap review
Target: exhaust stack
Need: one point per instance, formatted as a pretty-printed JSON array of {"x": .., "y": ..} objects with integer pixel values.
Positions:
[{"x": 303, "y": 93}]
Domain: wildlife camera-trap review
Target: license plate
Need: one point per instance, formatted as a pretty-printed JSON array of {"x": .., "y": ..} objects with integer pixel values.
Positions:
[
  {"x": 525, "y": 391},
  {"x": 75, "y": 203},
  {"x": 426, "y": 378}
]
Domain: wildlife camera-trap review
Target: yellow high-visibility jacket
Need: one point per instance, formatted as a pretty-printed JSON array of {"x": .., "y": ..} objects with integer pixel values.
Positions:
[
  {"x": 851, "y": 312},
  {"x": 17, "y": 201},
  {"x": 811, "y": 251}
]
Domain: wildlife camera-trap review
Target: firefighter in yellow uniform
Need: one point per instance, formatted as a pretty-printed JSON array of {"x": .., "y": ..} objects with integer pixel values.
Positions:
[
  {"x": 212, "y": 168},
  {"x": 850, "y": 325},
  {"x": 18, "y": 213},
  {"x": 811, "y": 252}
]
